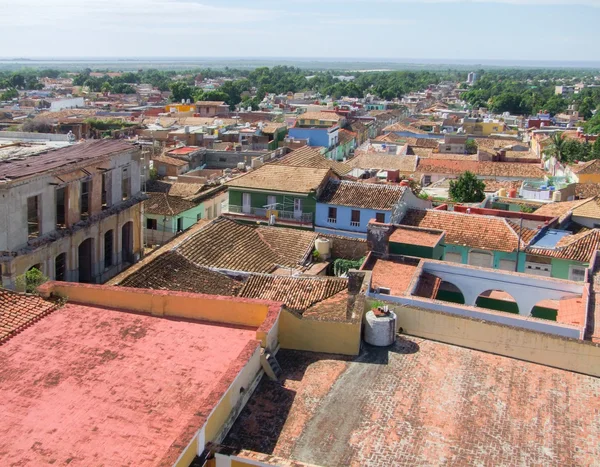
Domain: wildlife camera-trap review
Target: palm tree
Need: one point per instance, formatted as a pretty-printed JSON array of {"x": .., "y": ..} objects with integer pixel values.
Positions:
[{"x": 556, "y": 149}]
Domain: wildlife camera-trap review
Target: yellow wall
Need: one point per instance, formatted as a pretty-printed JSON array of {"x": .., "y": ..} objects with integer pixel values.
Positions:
[
  {"x": 588, "y": 178},
  {"x": 318, "y": 336},
  {"x": 545, "y": 349},
  {"x": 207, "y": 308},
  {"x": 181, "y": 107}
]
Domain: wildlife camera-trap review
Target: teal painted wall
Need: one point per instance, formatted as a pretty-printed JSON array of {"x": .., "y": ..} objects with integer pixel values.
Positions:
[
  {"x": 498, "y": 256},
  {"x": 448, "y": 296},
  {"x": 169, "y": 223},
  {"x": 560, "y": 267},
  {"x": 416, "y": 250}
]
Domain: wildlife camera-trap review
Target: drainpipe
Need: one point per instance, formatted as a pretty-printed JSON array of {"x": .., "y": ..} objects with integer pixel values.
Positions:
[{"x": 519, "y": 245}]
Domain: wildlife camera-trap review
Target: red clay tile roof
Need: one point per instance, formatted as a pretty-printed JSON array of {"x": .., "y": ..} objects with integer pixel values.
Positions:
[
  {"x": 184, "y": 190},
  {"x": 580, "y": 247},
  {"x": 307, "y": 156},
  {"x": 291, "y": 179},
  {"x": 395, "y": 275},
  {"x": 487, "y": 169},
  {"x": 52, "y": 160},
  {"x": 527, "y": 234},
  {"x": 163, "y": 204},
  {"x": 588, "y": 168},
  {"x": 17, "y": 311},
  {"x": 346, "y": 136},
  {"x": 172, "y": 271},
  {"x": 484, "y": 232},
  {"x": 164, "y": 159},
  {"x": 373, "y": 160},
  {"x": 298, "y": 293},
  {"x": 428, "y": 286},
  {"x": 492, "y": 186},
  {"x": 560, "y": 209},
  {"x": 320, "y": 115},
  {"x": 362, "y": 195},
  {"x": 587, "y": 190},
  {"x": 227, "y": 244},
  {"x": 416, "y": 236}
]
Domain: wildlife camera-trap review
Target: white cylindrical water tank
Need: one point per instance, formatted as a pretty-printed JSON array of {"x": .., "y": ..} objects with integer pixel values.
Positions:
[
  {"x": 380, "y": 330},
  {"x": 556, "y": 196},
  {"x": 241, "y": 166},
  {"x": 323, "y": 246}
]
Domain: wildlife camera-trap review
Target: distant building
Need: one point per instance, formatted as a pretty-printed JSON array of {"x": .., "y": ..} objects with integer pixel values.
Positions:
[{"x": 471, "y": 77}]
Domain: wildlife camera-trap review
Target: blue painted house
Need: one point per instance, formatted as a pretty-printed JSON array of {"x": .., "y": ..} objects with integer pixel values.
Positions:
[{"x": 346, "y": 207}]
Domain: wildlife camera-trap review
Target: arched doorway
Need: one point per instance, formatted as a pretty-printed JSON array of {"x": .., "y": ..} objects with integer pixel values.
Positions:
[
  {"x": 60, "y": 267},
  {"x": 497, "y": 300},
  {"x": 127, "y": 242},
  {"x": 86, "y": 261},
  {"x": 448, "y": 292}
]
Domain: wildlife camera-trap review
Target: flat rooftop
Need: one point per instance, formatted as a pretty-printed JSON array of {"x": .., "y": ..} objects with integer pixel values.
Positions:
[
  {"x": 93, "y": 386},
  {"x": 419, "y": 237},
  {"x": 396, "y": 275},
  {"x": 421, "y": 402}
]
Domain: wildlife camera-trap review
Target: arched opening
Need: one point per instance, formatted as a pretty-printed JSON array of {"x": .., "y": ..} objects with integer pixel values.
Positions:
[
  {"x": 86, "y": 261},
  {"x": 108, "y": 249},
  {"x": 498, "y": 300},
  {"x": 36, "y": 266},
  {"x": 448, "y": 292},
  {"x": 550, "y": 309},
  {"x": 127, "y": 242},
  {"x": 60, "y": 267}
]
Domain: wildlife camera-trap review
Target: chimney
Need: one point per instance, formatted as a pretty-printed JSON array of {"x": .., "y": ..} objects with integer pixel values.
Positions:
[{"x": 355, "y": 281}]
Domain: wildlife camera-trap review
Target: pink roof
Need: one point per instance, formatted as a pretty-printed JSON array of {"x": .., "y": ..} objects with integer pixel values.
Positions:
[
  {"x": 184, "y": 150},
  {"x": 93, "y": 386}
]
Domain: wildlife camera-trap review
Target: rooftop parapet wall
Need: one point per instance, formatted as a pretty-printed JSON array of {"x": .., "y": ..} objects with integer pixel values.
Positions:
[{"x": 260, "y": 314}]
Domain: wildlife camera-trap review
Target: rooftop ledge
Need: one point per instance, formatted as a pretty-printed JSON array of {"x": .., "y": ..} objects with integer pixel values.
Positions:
[{"x": 261, "y": 315}]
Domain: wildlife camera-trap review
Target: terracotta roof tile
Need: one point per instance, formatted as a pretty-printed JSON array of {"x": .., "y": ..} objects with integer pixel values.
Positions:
[
  {"x": 346, "y": 136},
  {"x": 280, "y": 177},
  {"x": 172, "y": 271},
  {"x": 183, "y": 190},
  {"x": 323, "y": 116},
  {"x": 589, "y": 208},
  {"x": 560, "y": 209},
  {"x": 170, "y": 160},
  {"x": 405, "y": 164},
  {"x": 588, "y": 168},
  {"x": 492, "y": 186},
  {"x": 580, "y": 247},
  {"x": 227, "y": 244},
  {"x": 362, "y": 195},
  {"x": 17, "y": 311},
  {"x": 307, "y": 156},
  {"x": 298, "y": 293},
  {"x": 486, "y": 169},
  {"x": 587, "y": 190},
  {"x": 484, "y": 232},
  {"x": 164, "y": 204}
]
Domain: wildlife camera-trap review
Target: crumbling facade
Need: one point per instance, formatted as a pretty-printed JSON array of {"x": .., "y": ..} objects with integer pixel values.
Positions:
[{"x": 75, "y": 213}]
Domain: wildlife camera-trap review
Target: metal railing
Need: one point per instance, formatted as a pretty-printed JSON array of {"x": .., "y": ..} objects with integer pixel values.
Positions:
[{"x": 262, "y": 212}]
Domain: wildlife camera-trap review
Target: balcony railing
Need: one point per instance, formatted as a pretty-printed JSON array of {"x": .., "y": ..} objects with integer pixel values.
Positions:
[
  {"x": 355, "y": 223},
  {"x": 304, "y": 217},
  {"x": 332, "y": 220}
]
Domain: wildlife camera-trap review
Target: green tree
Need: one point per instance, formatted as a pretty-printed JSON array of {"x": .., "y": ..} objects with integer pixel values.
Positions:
[
  {"x": 467, "y": 189},
  {"x": 557, "y": 148},
  {"x": 30, "y": 281},
  {"x": 596, "y": 149},
  {"x": 181, "y": 91},
  {"x": 9, "y": 94},
  {"x": 471, "y": 146},
  {"x": 106, "y": 87}
]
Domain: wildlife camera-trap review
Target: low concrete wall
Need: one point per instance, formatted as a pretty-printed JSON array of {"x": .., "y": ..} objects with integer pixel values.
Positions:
[
  {"x": 498, "y": 317},
  {"x": 227, "y": 310},
  {"x": 536, "y": 347},
  {"x": 341, "y": 337}
]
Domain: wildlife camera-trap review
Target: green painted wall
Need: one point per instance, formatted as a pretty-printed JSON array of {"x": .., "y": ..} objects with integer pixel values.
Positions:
[
  {"x": 560, "y": 267},
  {"x": 416, "y": 250},
  {"x": 498, "y": 305},
  {"x": 259, "y": 200},
  {"x": 169, "y": 223},
  {"x": 448, "y": 296}
]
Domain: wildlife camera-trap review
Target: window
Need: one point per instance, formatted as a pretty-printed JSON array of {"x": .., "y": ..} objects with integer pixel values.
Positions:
[
  {"x": 355, "y": 218},
  {"x": 380, "y": 217},
  {"x": 272, "y": 202},
  {"x": 180, "y": 224},
  {"x": 151, "y": 224},
  {"x": 126, "y": 183},
  {"x": 84, "y": 202},
  {"x": 61, "y": 213},
  {"x": 453, "y": 257},
  {"x": 577, "y": 273},
  {"x": 427, "y": 180},
  {"x": 108, "y": 249},
  {"x": 482, "y": 259},
  {"x": 60, "y": 267},
  {"x": 246, "y": 203},
  {"x": 33, "y": 220},
  {"x": 105, "y": 203},
  {"x": 198, "y": 217},
  {"x": 209, "y": 212},
  {"x": 332, "y": 216}
]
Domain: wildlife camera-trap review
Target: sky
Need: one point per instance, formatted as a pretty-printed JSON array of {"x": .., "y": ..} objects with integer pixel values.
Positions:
[{"x": 561, "y": 30}]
